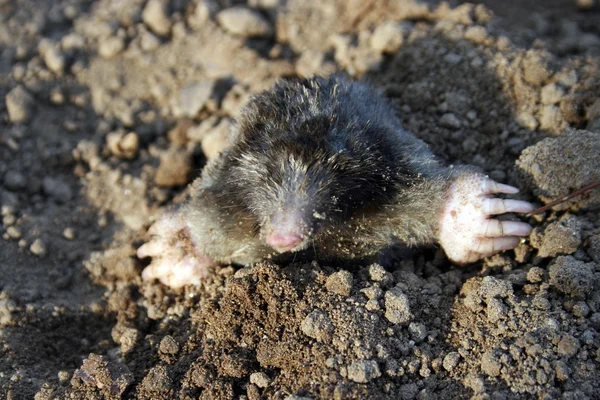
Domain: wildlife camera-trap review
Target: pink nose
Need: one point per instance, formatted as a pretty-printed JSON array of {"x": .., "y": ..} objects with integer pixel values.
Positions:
[{"x": 283, "y": 241}]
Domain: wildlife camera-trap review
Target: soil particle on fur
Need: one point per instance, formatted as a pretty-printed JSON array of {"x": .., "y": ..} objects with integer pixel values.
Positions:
[{"x": 108, "y": 109}]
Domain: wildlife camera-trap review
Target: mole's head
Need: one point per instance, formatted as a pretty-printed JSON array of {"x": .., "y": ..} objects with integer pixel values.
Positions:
[{"x": 298, "y": 181}]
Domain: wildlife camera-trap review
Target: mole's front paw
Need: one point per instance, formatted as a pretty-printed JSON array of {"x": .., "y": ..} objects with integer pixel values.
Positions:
[
  {"x": 175, "y": 259},
  {"x": 467, "y": 231}
]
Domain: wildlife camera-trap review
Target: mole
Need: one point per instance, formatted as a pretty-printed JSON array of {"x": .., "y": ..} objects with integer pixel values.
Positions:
[{"x": 323, "y": 165}]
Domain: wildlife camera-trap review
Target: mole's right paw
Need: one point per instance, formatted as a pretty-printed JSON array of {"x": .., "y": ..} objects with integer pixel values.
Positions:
[
  {"x": 468, "y": 231},
  {"x": 175, "y": 259}
]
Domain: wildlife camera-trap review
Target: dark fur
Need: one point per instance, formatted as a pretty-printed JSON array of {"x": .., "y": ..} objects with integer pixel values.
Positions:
[{"x": 334, "y": 151}]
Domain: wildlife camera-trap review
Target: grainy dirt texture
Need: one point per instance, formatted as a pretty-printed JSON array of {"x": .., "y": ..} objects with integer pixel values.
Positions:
[{"x": 109, "y": 108}]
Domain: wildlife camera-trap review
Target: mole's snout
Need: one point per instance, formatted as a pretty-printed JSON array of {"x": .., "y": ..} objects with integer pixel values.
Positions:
[{"x": 284, "y": 241}]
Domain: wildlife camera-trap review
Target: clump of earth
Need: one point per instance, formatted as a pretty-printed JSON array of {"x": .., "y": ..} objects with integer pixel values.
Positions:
[{"x": 109, "y": 109}]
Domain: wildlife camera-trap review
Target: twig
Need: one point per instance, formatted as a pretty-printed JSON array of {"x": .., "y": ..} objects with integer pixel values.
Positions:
[{"x": 568, "y": 197}]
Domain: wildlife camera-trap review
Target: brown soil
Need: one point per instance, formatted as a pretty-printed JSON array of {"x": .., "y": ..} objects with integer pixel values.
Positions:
[{"x": 516, "y": 94}]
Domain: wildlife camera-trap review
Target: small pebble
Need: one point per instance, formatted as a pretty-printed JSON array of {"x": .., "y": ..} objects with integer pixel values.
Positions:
[
  {"x": 38, "y": 248},
  {"x": 363, "y": 371},
  {"x": 387, "y": 37},
  {"x": 260, "y": 379},
  {"x": 244, "y": 22},
  {"x": 397, "y": 306},
  {"x": 450, "y": 120},
  {"x": 340, "y": 282},
  {"x": 156, "y": 18},
  {"x": 168, "y": 345},
  {"x": 14, "y": 181},
  {"x": 69, "y": 233},
  {"x": 13, "y": 232},
  {"x": 19, "y": 104},
  {"x": 194, "y": 96},
  {"x": 110, "y": 47},
  {"x": 451, "y": 361},
  {"x": 55, "y": 60},
  {"x": 317, "y": 325}
]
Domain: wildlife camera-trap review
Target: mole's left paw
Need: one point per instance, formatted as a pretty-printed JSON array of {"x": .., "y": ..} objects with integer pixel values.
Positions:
[
  {"x": 467, "y": 231},
  {"x": 175, "y": 259}
]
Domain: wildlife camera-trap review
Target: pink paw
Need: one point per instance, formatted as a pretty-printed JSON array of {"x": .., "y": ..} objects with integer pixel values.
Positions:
[
  {"x": 467, "y": 231},
  {"x": 175, "y": 260}
]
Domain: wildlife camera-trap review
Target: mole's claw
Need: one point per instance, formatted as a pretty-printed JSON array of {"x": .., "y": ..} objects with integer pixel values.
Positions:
[
  {"x": 496, "y": 228},
  {"x": 495, "y": 206},
  {"x": 466, "y": 231},
  {"x": 490, "y": 186},
  {"x": 488, "y": 246},
  {"x": 175, "y": 261}
]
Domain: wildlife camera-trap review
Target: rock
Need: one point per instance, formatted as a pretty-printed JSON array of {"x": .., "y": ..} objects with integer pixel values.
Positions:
[
  {"x": 217, "y": 139},
  {"x": 559, "y": 237},
  {"x": 156, "y": 18},
  {"x": 168, "y": 345},
  {"x": 38, "y": 248},
  {"x": 55, "y": 60},
  {"x": 387, "y": 37},
  {"x": 490, "y": 365},
  {"x": 313, "y": 62},
  {"x": 451, "y": 361},
  {"x": 418, "y": 332},
  {"x": 535, "y": 274},
  {"x": 15, "y": 181},
  {"x": 568, "y": 346},
  {"x": 317, "y": 325},
  {"x": 241, "y": 21},
  {"x": 340, "y": 282},
  {"x": 69, "y": 233},
  {"x": 450, "y": 120},
  {"x": 408, "y": 391},
  {"x": 175, "y": 168},
  {"x": 260, "y": 379},
  {"x": 397, "y": 306},
  {"x": 378, "y": 274},
  {"x": 110, "y": 46},
  {"x": 594, "y": 248},
  {"x": 19, "y": 104},
  {"x": 551, "y": 119},
  {"x": 194, "y": 96},
  {"x": 572, "y": 276},
  {"x": 109, "y": 377},
  {"x": 552, "y": 94},
  {"x": 579, "y": 166},
  {"x": 527, "y": 120},
  {"x": 123, "y": 145},
  {"x": 148, "y": 41},
  {"x": 363, "y": 371},
  {"x": 536, "y": 67},
  {"x": 60, "y": 191}
]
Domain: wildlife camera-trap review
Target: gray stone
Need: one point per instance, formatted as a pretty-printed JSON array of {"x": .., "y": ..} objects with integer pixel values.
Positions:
[
  {"x": 38, "y": 248},
  {"x": 156, "y": 18},
  {"x": 110, "y": 46},
  {"x": 14, "y": 181},
  {"x": 194, "y": 96},
  {"x": 317, "y": 325},
  {"x": 571, "y": 276},
  {"x": 451, "y": 361},
  {"x": 260, "y": 379},
  {"x": 340, "y": 282},
  {"x": 397, "y": 306},
  {"x": 57, "y": 189},
  {"x": 387, "y": 37},
  {"x": 19, "y": 104},
  {"x": 244, "y": 22},
  {"x": 363, "y": 371}
]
